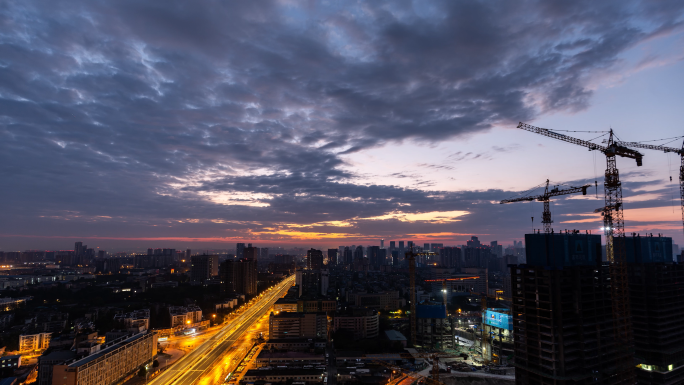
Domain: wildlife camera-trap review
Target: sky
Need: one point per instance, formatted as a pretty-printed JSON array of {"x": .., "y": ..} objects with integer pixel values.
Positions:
[{"x": 167, "y": 123}]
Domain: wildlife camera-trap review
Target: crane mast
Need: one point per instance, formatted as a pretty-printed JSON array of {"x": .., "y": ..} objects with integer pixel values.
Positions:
[
  {"x": 546, "y": 215},
  {"x": 411, "y": 256},
  {"x": 613, "y": 224},
  {"x": 679, "y": 151}
]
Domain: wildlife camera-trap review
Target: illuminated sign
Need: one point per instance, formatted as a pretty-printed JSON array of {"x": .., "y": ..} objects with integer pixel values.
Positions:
[{"x": 498, "y": 320}]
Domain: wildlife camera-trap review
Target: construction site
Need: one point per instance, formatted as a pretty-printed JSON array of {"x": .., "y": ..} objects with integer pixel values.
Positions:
[{"x": 579, "y": 310}]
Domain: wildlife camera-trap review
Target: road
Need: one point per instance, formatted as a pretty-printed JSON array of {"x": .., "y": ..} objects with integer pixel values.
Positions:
[{"x": 190, "y": 368}]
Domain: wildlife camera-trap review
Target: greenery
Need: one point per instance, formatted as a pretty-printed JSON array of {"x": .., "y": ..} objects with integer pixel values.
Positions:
[{"x": 142, "y": 372}]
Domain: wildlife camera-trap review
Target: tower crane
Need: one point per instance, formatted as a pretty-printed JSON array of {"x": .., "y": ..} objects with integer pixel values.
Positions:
[
  {"x": 679, "y": 151},
  {"x": 613, "y": 224},
  {"x": 545, "y": 197},
  {"x": 411, "y": 256}
]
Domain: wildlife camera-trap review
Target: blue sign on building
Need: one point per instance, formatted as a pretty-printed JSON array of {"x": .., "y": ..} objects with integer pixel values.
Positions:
[{"x": 498, "y": 320}]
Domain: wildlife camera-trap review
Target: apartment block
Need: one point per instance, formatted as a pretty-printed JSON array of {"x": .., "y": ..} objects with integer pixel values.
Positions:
[
  {"x": 111, "y": 364},
  {"x": 297, "y": 325},
  {"x": 32, "y": 342},
  {"x": 185, "y": 315},
  {"x": 360, "y": 323}
]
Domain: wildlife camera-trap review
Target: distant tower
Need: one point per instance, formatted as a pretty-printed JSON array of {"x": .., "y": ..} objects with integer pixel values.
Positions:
[{"x": 382, "y": 243}]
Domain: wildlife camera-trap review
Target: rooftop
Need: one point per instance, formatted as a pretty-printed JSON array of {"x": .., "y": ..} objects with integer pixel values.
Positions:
[{"x": 394, "y": 335}]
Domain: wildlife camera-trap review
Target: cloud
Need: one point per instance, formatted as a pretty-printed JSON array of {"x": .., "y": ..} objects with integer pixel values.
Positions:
[{"x": 162, "y": 117}]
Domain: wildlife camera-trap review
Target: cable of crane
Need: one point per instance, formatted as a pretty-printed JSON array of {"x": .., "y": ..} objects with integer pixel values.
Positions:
[
  {"x": 598, "y": 137},
  {"x": 527, "y": 192},
  {"x": 657, "y": 140},
  {"x": 593, "y": 132}
]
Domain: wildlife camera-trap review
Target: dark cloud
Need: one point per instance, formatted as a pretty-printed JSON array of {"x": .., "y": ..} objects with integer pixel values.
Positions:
[{"x": 116, "y": 117}]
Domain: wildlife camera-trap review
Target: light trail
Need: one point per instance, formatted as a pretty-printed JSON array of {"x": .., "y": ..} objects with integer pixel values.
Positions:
[{"x": 191, "y": 367}]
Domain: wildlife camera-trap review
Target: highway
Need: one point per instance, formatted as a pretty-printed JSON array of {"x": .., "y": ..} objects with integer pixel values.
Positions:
[{"x": 192, "y": 366}]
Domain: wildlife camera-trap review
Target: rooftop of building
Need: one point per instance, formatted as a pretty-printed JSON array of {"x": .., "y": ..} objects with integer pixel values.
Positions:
[
  {"x": 58, "y": 355},
  {"x": 288, "y": 314},
  {"x": 285, "y": 372},
  {"x": 431, "y": 311},
  {"x": 288, "y": 354},
  {"x": 394, "y": 335},
  {"x": 108, "y": 347},
  {"x": 294, "y": 340}
]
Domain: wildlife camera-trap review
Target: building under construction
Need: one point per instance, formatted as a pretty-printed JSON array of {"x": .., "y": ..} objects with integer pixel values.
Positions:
[
  {"x": 562, "y": 312},
  {"x": 656, "y": 287}
]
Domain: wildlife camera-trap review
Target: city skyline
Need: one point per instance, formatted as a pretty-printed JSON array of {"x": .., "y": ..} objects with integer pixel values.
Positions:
[{"x": 132, "y": 125}]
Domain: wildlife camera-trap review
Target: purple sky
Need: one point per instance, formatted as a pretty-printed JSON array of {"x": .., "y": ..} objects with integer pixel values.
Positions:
[{"x": 132, "y": 124}]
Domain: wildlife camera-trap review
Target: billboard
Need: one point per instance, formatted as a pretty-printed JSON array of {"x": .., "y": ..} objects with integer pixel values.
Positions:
[{"x": 498, "y": 320}]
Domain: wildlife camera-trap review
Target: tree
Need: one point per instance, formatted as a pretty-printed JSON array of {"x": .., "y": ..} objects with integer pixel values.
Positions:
[
  {"x": 142, "y": 372},
  {"x": 155, "y": 364}
]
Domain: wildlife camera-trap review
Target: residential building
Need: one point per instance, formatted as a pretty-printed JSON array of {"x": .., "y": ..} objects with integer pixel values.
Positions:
[
  {"x": 135, "y": 319},
  {"x": 251, "y": 253},
  {"x": 386, "y": 300},
  {"x": 288, "y": 358},
  {"x": 303, "y": 376},
  {"x": 185, "y": 315},
  {"x": 285, "y": 304},
  {"x": 314, "y": 259},
  {"x": 8, "y": 364},
  {"x": 204, "y": 267},
  {"x": 360, "y": 323},
  {"x": 294, "y": 344},
  {"x": 297, "y": 325},
  {"x": 33, "y": 342},
  {"x": 239, "y": 250},
  {"x": 316, "y": 306},
  {"x": 48, "y": 361},
  {"x": 111, "y": 364},
  {"x": 238, "y": 277}
]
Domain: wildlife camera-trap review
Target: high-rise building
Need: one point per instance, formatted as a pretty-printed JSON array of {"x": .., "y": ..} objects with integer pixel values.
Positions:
[
  {"x": 150, "y": 251},
  {"x": 358, "y": 253},
  {"x": 332, "y": 257},
  {"x": 392, "y": 245},
  {"x": 656, "y": 287},
  {"x": 263, "y": 254},
  {"x": 435, "y": 247},
  {"x": 474, "y": 242},
  {"x": 348, "y": 257},
  {"x": 310, "y": 282},
  {"x": 204, "y": 267},
  {"x": 251, "y": 253},
  {"x": 374, "y": 256},
  {"x": 238, "y": 276},
  {"x": 239, "y": 250},
  {"x": 382, "y": 243},
  {"x": 562, "y": 314},
  {"x": 395, "y": 258},
  {"x": 450, "y": 257},
  {"x": 426, "y": 247},
  {"x": 188, "y": 253},
  {"x": 79, "y": 248},
  {"x": 314, "y": 259}
]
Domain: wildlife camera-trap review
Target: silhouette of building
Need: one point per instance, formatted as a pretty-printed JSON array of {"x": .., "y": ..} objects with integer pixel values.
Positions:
[
  {"x": 314, "y": 259},
  {"x": 203, "y": 267},
  {"x": 238, "y": 276},
  {"x": 332, "y": 257}
]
